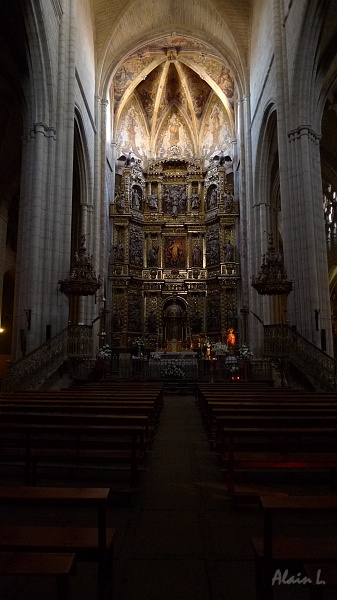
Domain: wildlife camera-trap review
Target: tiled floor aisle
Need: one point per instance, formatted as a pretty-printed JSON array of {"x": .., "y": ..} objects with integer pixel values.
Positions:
[{"x": 184, "y": 540}]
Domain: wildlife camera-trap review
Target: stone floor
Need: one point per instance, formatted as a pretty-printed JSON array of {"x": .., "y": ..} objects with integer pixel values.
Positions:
[{"x": 179, "y": 538}]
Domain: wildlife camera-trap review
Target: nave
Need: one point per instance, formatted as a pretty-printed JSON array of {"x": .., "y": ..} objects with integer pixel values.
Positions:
[{"x": 179, "y": 535}]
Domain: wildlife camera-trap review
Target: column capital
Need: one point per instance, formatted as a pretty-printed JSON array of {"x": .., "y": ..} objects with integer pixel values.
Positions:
[
  {"x": 301, "y": 130},
  {"x": 43, "y": 128}
]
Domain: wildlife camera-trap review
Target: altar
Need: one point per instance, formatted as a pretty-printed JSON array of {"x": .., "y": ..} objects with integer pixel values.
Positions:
[{"x": 173, "y": 365}]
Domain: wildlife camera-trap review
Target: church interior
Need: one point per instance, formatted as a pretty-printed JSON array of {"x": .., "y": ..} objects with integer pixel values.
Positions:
[{"x": 168, "y": 298}]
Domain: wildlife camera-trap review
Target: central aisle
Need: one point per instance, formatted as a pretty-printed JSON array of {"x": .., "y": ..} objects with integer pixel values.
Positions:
[{"x": 184, "y": 541}]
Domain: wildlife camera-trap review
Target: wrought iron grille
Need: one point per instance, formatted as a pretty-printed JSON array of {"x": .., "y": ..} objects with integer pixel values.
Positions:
[
  {"x": 35, "y": 368},
  {"x": 281, "y": 341}
]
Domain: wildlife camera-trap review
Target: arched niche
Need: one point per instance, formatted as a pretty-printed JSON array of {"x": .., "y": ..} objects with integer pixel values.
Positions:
[{"x": 174, "y": 324}]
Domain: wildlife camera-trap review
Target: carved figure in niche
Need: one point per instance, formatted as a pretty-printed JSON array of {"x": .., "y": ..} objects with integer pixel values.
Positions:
[
  {"x": 120, "y": 251},
  {"x": 136, "y": 249},
  {"x": 135, "y": 199},
  {"x": 120, "y": 202},
  {"x": 212, "y": 199},
  {"x": 197, "y": 256},
  {"x": 117, "y": 322},
  {"x": 153, "y": 201},
  {"x": 153, "y": 257},
  {"x": 196, "y": 322},
  {"x": 152, "y": 322},
  {"x": 229, "y": 251},
  {"x": 195, "y": 200},
  {"x": 174, "y": 199},
  {"x": 212, "y": 250},
  {"x": 228, "y": 202},
  {"x": 174, "y": 204},
  {"x": 135, "y": 320}
]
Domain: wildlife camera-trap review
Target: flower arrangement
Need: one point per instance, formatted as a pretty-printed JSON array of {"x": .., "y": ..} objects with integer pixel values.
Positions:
[
  {"x": 104, "y": 353},
  {"x": 173, "y": 371},
  {"x": 220, "y": 349},
  {"x": 244, "y": 353}
]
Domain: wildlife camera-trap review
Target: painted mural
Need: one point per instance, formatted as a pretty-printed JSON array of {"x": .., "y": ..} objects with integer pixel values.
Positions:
[
  {"x": 132, "y": 134},
  {"x": 170, "y": 41},
  {"x": 175, "y": 252},
  {"x": 128, "y": 72},
  {"x": 173, "y": 92},
  {"x": 198, "y": 88},
  {"x": 216, "y": 132},
  {"x": 174, "y": 134},
  {"x": 147, "y": 91},
  {"x": 218, "y": 70}
]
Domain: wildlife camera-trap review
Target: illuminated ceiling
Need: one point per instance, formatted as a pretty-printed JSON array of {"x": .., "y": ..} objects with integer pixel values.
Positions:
[{"x": 174, "y": 95}]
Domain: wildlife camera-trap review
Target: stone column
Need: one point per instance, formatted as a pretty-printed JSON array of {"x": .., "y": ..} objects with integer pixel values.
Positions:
[
  {"x": 34, "y": 262},
  {"x": 310, "y": 266},
  {"x": 3, "y": 235}
]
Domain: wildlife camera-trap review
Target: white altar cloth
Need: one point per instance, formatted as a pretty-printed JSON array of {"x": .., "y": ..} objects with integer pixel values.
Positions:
[{"x": 160, "y": 361}]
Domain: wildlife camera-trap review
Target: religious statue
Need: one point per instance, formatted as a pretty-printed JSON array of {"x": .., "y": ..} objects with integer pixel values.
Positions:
[
  {"x": 153, "y": 257},
  {"x": 120, "y": 202},
  {"x": 228, "y": 201},
  {"x": 119, "y": 251},
  {"x": 229, "y": 251},
  {"x": 195, "y": 200},
  {"x": 135, "y": 199},
  {"x": 175, "y": 199},
  {"x": 197, "y": 256},
  {"x": 153, "y": 201},
  {"x": 231, "y": 338},
  {"x": 212, "y": 199}
]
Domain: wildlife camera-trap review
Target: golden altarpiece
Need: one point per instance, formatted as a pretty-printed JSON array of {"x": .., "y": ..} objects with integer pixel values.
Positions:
[{"x": 174, "y": 263}]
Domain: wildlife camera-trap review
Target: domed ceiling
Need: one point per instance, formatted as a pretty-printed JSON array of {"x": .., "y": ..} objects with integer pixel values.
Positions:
[{"x": 173, "y": 98}]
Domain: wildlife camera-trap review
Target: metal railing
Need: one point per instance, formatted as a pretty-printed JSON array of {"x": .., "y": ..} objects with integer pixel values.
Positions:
[
  {"x": 73, "y": 344},
  {"x": 34, "y": 369},
  {"x": 283, "y": 342}
]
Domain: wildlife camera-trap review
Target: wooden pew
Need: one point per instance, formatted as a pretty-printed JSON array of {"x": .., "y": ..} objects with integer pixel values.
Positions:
[
  {"x": 290, "y": 446},
  {"x": 38, "y": 564},
  {"x": 67, "y": 443},
  {"x": 88, "y": 543},
  {"x": 280, "y": 552},
  {"x": 224, "y": 416}
]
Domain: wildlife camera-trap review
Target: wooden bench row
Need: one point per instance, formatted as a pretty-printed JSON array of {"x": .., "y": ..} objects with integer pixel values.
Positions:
[
  {"x": 79, "y": 429},
  {"x": 54, "y": 549},
  {"x": 300, "y": 556},
  {"x": 263, "y": 432}
]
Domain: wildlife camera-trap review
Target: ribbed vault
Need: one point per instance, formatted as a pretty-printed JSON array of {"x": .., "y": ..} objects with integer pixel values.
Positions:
[{"x": 173, "y": 95}]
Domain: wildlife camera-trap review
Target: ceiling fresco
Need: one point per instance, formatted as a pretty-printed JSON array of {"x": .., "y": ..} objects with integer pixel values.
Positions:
[{"x": 173, "y": 96}]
